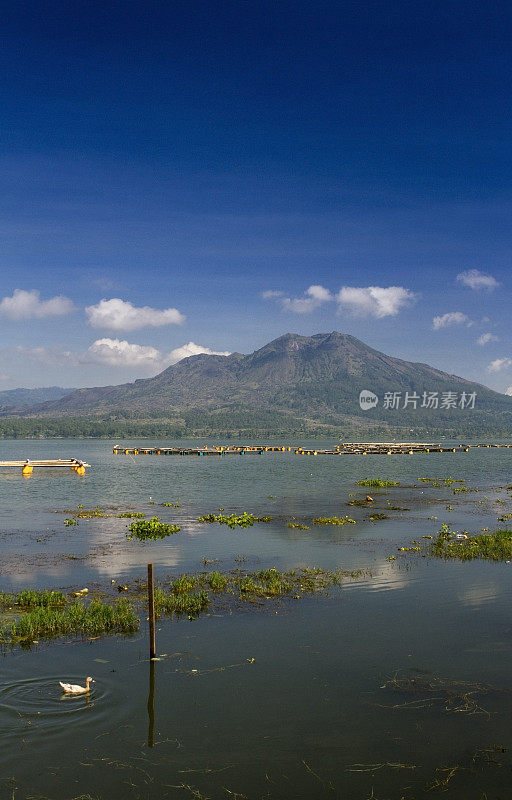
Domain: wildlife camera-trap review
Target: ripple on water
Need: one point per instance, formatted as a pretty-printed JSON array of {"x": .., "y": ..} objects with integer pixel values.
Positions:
[{"x": 39, "y": 705}]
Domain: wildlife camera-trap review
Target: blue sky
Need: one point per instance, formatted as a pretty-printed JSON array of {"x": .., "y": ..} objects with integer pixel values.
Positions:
[{"x": 164, "y": 166}]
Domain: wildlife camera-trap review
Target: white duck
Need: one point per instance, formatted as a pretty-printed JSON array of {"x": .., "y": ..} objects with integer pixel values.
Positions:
[{"x": 70, "y": 688}]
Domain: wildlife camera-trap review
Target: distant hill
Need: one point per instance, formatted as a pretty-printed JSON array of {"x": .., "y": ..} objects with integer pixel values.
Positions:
[
  {"x": 303, "y": 383},
  {"x": 12, "y": 400}
]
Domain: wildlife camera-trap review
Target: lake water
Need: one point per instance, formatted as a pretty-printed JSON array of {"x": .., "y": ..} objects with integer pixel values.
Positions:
[{"x": 287, "y": 699}]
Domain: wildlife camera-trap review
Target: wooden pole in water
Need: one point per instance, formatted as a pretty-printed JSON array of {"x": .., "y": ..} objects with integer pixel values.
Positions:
[
  {"x": 151, "y": 704},
  {"x": 151, "y": 603}
]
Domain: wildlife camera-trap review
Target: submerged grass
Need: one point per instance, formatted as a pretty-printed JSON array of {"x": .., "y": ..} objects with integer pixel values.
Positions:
[
  {"x": 131, "y": 515},
  {"x": 192, "y": 593},
  {"x": 496, "y": 546},
  {"x": 333, "y": 521},
  {"x": 151, "y": 529},
  {"x": 74, "y": 618},
  {"x": 378, "y": 483}
]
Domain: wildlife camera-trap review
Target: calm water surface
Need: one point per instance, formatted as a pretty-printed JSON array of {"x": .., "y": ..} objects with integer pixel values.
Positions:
[{"x": 313, "y": 715}]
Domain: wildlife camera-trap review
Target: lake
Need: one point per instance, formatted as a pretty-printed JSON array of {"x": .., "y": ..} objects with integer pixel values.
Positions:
[{"x": 394, "y": 684}]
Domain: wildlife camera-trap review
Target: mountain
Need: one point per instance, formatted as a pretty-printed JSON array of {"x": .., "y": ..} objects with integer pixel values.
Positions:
[
  {"x": 309, "y": 382},
  {"x": 12, "y": 400}
]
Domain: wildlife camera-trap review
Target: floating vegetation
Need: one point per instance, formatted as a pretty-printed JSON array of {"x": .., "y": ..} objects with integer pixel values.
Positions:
[
  {"x": 74, "y": 618},
  {"x": 360, "y": 502},
  {"x": 151, "y": 529},
  {"x": 193, "y": 592},
  {"x": 452, "y": 695},
  {"x": 377, "y": 517},
  {"x": 378, "y": 483},
  {"x": 32, "y": 598},
  {"x": 68, "y": 522},
  {"x": 504, "y": 517},
  {"x": 181, "y": 603},
  {"x": 85, "y": 513},
  {"x": 495, "y": 546},
  {"x": 243, "y": 520},
  {"x": 461, "y": 489},
  {"x": 297, "y": 526},
  {"x": 333, "y": 521},
  {"x": 439, "y": 482},
  {"x": 131, "y": 515},
  {"x": 171, "y": 505}
]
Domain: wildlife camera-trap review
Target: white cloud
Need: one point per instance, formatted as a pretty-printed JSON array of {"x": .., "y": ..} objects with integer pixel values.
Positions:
[
  {"x": 487, "y": 337},
  {"x": 312, "y": 299},
  {"x": 117, "y": 353},
  {"x": 121, "y": 315},
  {"x": 270, "y": 294},
  {"x": 28, "y": 305},
  {"x": 375, "y": 301},
  {"x": 499, "y": 364},
  {"x": 477, "y": 280},
  {"x": 451, "y": 318},
  {"x": 192, "y": 349},
  {"x": 120, "y": 353}
]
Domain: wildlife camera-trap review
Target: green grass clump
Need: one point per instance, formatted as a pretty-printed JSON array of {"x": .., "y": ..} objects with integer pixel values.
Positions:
[
  {"x": 267, "y": 583},
  {"x": 377, "y": 517},
  {"x": 131, "y": 515},
  {"x": 460, "y": 489},
  {"x": 359, "y": 502},
  {"x": 217, "y": 581},
  {"x": 377, "y": 483},
  {"x": 243, "y": 520},
  {"x": 182, "y": 603},
  {"x": 192, "y": 593},
  {"x": 171, "y": 505},
  {"x": 75, "y": 618},
  {"x": 32, "y": 598},
  {"x": 184, "y": 584},
  {"x": 333, "y": 521},
  {"x": 70, "y": 521},
  {"x": 438, "y": 482},
  {"x": 297, "y": 526},
  {"x": 495, "y": 546},
  {"x": 151, "y": 529}
]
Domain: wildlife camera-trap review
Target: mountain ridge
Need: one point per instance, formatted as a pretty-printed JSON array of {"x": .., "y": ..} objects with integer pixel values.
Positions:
[{"x": 316, "y": 378}]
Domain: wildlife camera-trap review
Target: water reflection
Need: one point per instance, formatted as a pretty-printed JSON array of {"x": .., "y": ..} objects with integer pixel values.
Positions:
[{"x": 151, "y": 704}]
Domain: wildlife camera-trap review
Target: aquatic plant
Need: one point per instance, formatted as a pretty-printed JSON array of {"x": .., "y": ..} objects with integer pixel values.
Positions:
[
  {"x": 438, "y": 482},
  {"x": 68, "y": 522},
  {"x": 333, "y": 521},
  {"x": 131, "y": 515},
  {"x": 377, "y": 517},
  {"x": 298, "y": 526},
  {"x": 496, "y": 546},
  {"x": 171, "y": 505},
  {"x": 217, "y": 581},
  {"x": 378, "y": 483},
  {"x": 151, "y": 529},
  {"x": 182, "y": 603},
  {"x": 33, "y": 598},
  {"x": 75, "y": 618},
  {"x": 184, "y": 584},
  {"x": 243, "y": 520}
]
